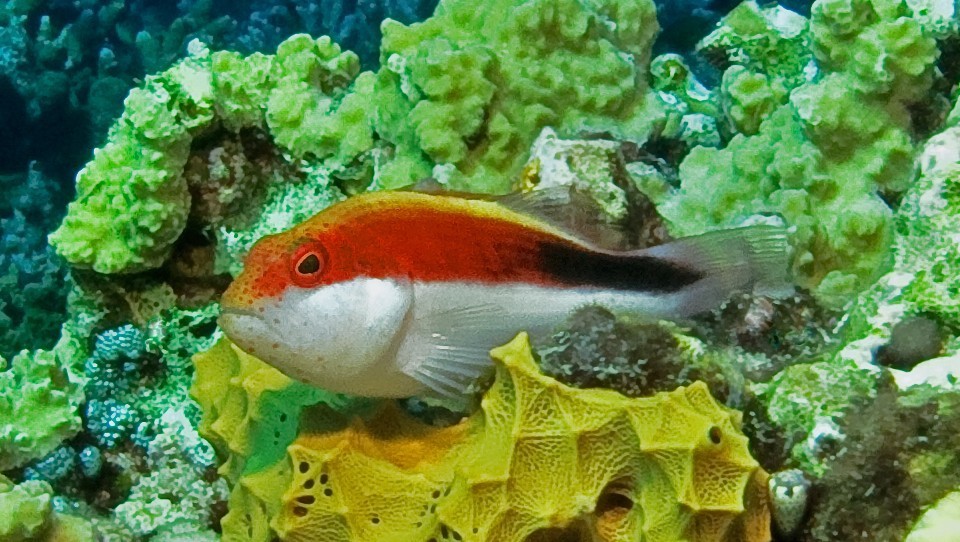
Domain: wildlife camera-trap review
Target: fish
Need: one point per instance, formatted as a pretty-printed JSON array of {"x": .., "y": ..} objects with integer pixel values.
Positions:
[{"x": 395, "y": 294}]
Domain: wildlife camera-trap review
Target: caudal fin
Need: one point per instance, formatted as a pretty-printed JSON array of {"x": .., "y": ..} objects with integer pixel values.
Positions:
[{"x": 752, "y": 258}]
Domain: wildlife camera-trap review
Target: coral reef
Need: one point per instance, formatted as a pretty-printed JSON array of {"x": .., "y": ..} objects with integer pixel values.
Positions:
[
  {"x": 315, "y": 105},
  {"x": 821, "y": 171},
  {"x": 39, "y": 402},
  {"x": 78, "y": 59},
  {"x": 672, "y": 466},
  {"x": 894, "y": 447},
  {"x": 597, "y": 350},
  {"x": 821, "y": 120},
  {"x": 33, "y": 288},
  {"x": 149, "y": 148},
  {"x": 175, "y": 489},
  {"x": 65, "y": 68},
  {"x": 465, "y": 89},
  {"x": 878, "y": 414},
  {"x": 29, "y": 515}
]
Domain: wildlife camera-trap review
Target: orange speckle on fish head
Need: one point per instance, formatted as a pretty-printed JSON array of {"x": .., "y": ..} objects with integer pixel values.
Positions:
[{"x": 275, "y": 263}]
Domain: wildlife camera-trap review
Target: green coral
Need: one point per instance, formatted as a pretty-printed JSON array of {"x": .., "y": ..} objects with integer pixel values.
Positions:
[
  {"x": 671, "y": 74},
  {"x": 175, "y": 492},
  {"x": 690, "y": 108},
  {"x": 309, "y": 111},
  {"x": 880, "y": 43},
  {"x": 925, "y": 276},
  {"x": 466, "y": 91},
  {"x": 769, "y": 40},
  {"x": 808, "y": 401},
  {"x": 472, "y": 87},
  {"x": 39, "y": 402},
  {"x": 28, "y": 515},
  {"x": 748, "y": 98},
  {"x": 133, "y": 198},
  {"x": 132, "y": 201},
  {"x": 810, "y": 161},
  {"x": 26, "y": 509}
]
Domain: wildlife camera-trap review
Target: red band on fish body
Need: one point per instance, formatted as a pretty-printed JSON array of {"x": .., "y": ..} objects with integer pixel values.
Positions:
[{"x": 429, "y": 238}]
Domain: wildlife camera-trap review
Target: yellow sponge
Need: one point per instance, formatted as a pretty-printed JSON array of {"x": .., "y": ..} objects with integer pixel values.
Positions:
[{"x": 540, "y": 461}]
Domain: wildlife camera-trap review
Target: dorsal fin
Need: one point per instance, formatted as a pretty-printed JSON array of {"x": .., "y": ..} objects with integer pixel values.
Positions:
[
  {"x": 429, "y": 185},
  {"x": 563, "y": 207},
  {"x": 571, "y": 211}
]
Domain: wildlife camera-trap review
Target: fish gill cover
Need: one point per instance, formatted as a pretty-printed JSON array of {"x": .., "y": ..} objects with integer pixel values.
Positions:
[{"x": 835, "y": 121}]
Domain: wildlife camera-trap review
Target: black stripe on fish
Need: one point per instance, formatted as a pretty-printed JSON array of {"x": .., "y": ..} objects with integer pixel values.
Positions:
[{"x": 576, "y": 266}]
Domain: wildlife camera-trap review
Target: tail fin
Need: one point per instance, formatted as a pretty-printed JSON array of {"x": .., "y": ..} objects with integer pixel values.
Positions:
[{"x": 741, "y": 259}]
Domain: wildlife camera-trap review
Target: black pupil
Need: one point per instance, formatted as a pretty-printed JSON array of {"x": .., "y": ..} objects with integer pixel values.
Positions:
[{"x": 309, "y": 264}]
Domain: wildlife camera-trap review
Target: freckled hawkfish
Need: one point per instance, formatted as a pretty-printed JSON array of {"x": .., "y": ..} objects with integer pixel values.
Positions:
[{"x": 402, "y": 293}]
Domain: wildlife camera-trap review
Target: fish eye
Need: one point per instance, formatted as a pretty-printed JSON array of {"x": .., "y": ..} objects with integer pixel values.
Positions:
[{"x": 308, "y": 264}]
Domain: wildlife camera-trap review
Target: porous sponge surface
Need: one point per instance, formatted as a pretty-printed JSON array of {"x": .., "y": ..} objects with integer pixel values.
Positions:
[{"x": 538, "y": 458}]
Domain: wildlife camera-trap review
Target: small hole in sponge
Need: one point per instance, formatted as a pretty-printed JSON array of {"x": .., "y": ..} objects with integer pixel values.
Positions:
[
  {"x": 324, "y": 478},
  {"x": 375, "y": 520},
  {"x": 308, "y": 484},
  {"x": 328, "y": 492},
  {"x": 611, "y": 501},
  {"x": 304, "y": 467},
  {"x": 299, "y": 511},
  {"x": 615, "y": 498},
  {"x": 715, "y": 434},
  {"x": 575, "y": 532},
  {"x": 306, "y": 499}
]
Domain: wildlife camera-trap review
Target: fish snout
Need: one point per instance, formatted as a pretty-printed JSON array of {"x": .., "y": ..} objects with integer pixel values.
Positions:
[
  {"x": 245, "y": 328},
  {"x": 238, "y": 297}
]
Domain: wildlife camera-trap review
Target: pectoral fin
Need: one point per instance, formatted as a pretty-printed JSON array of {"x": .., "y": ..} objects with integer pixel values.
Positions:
[{"x": 448, "y": 350}]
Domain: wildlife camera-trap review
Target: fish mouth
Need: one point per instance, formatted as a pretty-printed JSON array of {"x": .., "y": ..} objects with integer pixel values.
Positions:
[
  {"x": 237, "y": 311},
  {"x": 247, "y": 329}
]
